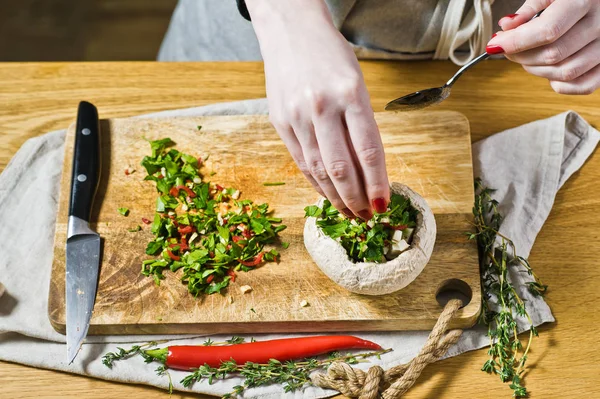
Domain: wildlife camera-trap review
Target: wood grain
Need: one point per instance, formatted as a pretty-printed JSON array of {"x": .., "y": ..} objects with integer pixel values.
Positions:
[
  {"x": 432, "y": 155},
  {"x": 496, "y": 95}
]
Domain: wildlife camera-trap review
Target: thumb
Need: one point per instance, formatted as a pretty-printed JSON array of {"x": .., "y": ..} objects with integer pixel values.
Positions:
[{"x": 523, "y": 14}]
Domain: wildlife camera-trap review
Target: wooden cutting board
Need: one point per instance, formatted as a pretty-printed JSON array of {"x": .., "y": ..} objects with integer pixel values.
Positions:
[{"x": 431, "y": 152}]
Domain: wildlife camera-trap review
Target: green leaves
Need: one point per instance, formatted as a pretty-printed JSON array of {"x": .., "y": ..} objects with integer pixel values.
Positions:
[
  {"x": 365, "y": 241},
  {"x": 501, "y": 303},
  {"x": 312, "y": 211},
  {"x": 208, "y": 243},
  {"x": 123, "y": 211}
]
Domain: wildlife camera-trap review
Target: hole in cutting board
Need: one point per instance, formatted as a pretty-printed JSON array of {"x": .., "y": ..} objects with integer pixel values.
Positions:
[{"x": 454, "y": 289}]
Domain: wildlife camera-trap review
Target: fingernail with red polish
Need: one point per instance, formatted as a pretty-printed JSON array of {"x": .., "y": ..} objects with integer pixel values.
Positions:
[
  {"x": 365, "y": 214},
  {"x": 511, "y": 16},
  {"x": 494, "y": 50},
  {"x": 348, "y": 213},
  {"x": 379, "y": 204}
]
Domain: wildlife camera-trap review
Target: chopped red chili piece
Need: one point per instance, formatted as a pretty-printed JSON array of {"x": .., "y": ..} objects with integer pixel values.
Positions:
[
  {"x": 211, "y": 254},
  {"x": 185, "y": 230},
  {"x": 172, "y": 255},
  {"x": 127, "y": 172},
  {"x": 146, "y": 221},
  {"x": 219, "y": 187},
  {"x": 174, "y": 192},
  {"x": 251, "y": 263},
  {"x": 210, "y": 278},
  {"x": 232, "y": 228},
  {"x": 246, "y": 233},
  {"x": 237, "y": 239},
  {"x": 188, "y": 190},
  {"x": 231, "y": 274},
  {"x": 160, "y": 176}
]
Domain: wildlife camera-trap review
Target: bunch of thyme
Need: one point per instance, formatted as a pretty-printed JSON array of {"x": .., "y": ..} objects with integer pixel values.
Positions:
[{"x": 497, "y": 254}]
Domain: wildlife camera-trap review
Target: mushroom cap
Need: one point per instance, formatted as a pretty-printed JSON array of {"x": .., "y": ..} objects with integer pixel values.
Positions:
[{"x": 372, "y": 278}]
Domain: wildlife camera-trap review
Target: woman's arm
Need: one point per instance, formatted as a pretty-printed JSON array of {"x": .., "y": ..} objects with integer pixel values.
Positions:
[{"x": 319, "y": 104}]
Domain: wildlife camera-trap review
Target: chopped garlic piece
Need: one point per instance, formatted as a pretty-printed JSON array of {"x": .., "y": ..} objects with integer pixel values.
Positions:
[
  {"x": 385, "y": 219},
  {"x": 230, "y": 300},
  {"x": 304, "y": 303},
  {"x": 197, "y": 180},
  {"x": 245, "y": 288},
  {"x": 371, "y": 223},
  {"x": 236, "y": 194},
  {"x": 171, "y": 213},
  {"x": 184, "y": 207},
  {"x": 163, "y": 171}
]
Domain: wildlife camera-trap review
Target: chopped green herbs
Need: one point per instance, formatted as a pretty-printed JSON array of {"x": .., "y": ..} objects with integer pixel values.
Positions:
[
  {"x": 374, "y": 240},
  {"x": 135, "y": 229},
  {"x": 199, "y": 127},
  {"x": 202, "y": 229},
  {"x": 123, "y": 211},
  {"x": 276, "y": 183}
]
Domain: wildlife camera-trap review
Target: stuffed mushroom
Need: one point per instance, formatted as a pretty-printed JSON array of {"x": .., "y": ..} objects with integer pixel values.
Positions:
[{"x": 373, "y": 257}]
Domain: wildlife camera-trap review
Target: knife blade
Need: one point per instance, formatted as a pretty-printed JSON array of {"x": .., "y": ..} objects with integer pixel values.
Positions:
[{"x": 83, "y": 244}]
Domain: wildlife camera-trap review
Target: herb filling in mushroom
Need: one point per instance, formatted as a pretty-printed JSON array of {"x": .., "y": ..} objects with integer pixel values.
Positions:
[{"x": 382, "y": 238}]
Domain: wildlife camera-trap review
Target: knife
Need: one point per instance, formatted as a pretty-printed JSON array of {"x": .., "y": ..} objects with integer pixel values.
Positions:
[{"x": 83, "y": 244}]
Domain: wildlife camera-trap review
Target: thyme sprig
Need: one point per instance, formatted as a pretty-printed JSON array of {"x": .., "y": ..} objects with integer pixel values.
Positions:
[
  {"x": 291, "y": 375},
  {"x": 501, "y": 303}
]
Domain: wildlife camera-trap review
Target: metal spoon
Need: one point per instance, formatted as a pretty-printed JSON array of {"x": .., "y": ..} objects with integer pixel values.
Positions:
[{"x": 427, "y": 97}]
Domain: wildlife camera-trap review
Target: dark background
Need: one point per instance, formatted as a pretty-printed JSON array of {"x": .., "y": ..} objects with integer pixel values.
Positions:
[{"x": 82, "y": 30}]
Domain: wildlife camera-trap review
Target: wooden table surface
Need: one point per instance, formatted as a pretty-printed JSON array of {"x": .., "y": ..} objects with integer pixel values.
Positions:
[{"x": 37, "y": 98}]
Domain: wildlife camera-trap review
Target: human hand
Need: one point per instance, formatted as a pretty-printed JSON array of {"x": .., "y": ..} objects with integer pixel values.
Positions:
[
  {"x": 561, "y": 45},
  {"x": 319, "y": 104}
]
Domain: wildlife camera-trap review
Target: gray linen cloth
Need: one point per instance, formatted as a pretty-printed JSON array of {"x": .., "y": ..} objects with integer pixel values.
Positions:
[{"x": 527, "y": 165}]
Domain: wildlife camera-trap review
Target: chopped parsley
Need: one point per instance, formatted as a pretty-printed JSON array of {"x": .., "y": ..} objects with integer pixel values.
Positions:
[
  {"x": 367, "y": 241},
  {"x": 201, "y": 229},
  {"x": 135, "y": 229},
  {"x": 275, "y": 183},
  {"x": 123, "y": 211}
]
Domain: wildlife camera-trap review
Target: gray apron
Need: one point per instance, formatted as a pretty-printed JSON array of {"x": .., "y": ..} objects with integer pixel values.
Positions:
[{"x": 213, "y": 30}]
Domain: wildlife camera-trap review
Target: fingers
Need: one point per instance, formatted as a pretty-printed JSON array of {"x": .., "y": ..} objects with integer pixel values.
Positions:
[
  {"x": 584, "y": 32},
  {"x": 291, "y": 142},
  {"x": 332, "y": 137},
  {"x": 557, "y": 19},
  {"x": 370, "y": 155},
  {"x": 523, "y": 14},
  {"x": 305, "y": 133},
  {"x": 571, "y": 68},
  {"x": 585, "y": 84}
]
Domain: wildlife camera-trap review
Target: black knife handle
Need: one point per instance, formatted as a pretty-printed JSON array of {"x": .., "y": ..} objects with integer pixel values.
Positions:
[{"x": 86, "y": 162}]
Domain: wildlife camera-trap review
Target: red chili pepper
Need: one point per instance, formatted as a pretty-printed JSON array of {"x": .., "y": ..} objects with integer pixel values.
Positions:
[
  {"x": 172, "y": 255},
  {"x": 211, "y": 254},
  {"x": 246, "y": 233},
  {"x": 225, "y": 221},
  {"x": 251, "y": 263},
  {"x": 188, "y": 190},
  {"x": 199, "y": 161},
  {"x": 210, "y": 278},
  {"x": 398, "y": 227},
  {"x": 232, "y": 228},
  {"x": 146, "y": 221},
  {"x": 237, "y": 239},
  {"x": 174, "y": 191},
  {"x": 231, "y": 274},
  {"x": 188, "y": 357},
  {"x": 185, "y": 230},
  {"x": 160, "y": 176},
  {"x": 127, "y": 172}
]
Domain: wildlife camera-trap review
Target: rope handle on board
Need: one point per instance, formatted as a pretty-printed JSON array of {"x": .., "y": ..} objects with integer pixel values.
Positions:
[{"x": 392, "y": 383}]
